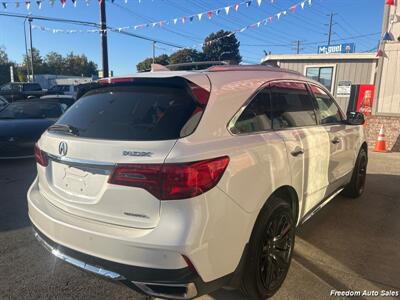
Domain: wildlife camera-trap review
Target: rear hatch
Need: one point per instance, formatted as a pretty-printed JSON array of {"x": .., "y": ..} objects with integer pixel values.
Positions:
[{"x": 131, "y": 121}]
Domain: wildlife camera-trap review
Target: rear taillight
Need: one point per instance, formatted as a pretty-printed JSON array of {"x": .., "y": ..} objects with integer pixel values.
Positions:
[
  {"x": 40, "y": 156},
  {"x": 172, "y": 181}
]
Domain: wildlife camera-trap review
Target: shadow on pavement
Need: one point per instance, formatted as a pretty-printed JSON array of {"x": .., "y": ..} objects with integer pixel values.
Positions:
[{"x": 15, "y": 178}]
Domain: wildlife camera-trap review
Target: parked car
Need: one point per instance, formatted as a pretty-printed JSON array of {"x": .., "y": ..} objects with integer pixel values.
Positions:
[
  {"x": 65, "y": 100},
  {"x": 14, "y": 91},
  {"x": 181, "y": 182},
  {"x": 63, "y": 89},
  {"x": 3, "y": 102},
  {"x": 22, "y": 123}
]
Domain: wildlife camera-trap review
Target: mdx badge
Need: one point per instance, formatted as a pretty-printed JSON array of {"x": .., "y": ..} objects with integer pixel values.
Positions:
[
  {"x": 137, "y": 153},
  {"x": 63, "y": 148}
]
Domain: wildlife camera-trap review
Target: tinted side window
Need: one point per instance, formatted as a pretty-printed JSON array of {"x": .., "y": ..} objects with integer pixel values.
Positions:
[
  {"x": 29, "y": 87},
  {"x": 328, "y": 110},
  {"x": 292, "y": 105},
  {"x": 256, "y": 116}
]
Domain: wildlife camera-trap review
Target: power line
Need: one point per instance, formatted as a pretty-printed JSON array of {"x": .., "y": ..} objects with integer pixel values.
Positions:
[{"x": 90, "y": 24}]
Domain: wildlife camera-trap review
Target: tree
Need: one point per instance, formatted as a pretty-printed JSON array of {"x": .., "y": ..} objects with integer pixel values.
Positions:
[
  {"x": 55, "y": 63},
  {"x": 39, "y": 66},
  {"x": 78, "y": 65},
  {"x": 222, "y": 46},
  {"x": 145, "y": 65},
  {"x": 185, "y": 55},
  {"x": 5, "y": 64}
]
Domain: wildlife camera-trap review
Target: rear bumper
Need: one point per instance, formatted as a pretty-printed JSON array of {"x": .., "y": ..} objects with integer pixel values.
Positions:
[
  {"x": 202, "y": 229},
  {"x": 172, "y": 284}
]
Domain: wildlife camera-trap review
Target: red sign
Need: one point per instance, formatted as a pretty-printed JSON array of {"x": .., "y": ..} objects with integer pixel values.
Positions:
[{"x": 365, "y": 99}]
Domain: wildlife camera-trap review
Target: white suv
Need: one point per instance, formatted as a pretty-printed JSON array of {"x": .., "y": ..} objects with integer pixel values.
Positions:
[{"x": 177, "y": 183}]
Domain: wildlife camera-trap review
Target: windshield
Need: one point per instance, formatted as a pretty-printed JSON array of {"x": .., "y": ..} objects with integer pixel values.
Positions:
[
  {"x": 142, "y": 112},
  {"x": 31, "y": 110}
]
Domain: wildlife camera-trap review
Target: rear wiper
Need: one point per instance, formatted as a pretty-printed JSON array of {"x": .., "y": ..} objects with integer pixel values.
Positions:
[{"x": 64, "y": 128}]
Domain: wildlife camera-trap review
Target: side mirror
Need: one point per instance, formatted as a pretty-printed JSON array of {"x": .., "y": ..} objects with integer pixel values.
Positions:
[{"x": 355, "y": 118}]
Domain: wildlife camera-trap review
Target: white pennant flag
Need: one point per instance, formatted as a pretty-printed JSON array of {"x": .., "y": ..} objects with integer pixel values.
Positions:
[
  {"x": 199, "y": 16},
  {"x": 284, "y": 12},
  {"x": 278, "y": 15},
  {"x": 302, "y": 4},
  {"x": 175, "y": 21},
  {"x": 243, "y": 29},
  {"x": 227, "y": 9},
  {"x": 259, "y": 2},
  {"x": 258, "y": 23},
  {"x": 309, "y": 2}
]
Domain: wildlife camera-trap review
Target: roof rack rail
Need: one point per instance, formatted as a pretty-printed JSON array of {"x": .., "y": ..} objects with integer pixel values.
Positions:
[
  {"x": 250, "y": 68},
  {"x": 197, "y": 63}
]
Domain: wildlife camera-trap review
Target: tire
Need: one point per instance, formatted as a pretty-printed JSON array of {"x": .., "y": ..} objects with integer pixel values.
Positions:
[
  {"x": 270, "y": 250},
  {"x": 355, "y": 188}
]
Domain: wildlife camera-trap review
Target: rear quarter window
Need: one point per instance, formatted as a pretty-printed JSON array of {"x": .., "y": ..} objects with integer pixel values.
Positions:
[{"x": 141, "y": 112}]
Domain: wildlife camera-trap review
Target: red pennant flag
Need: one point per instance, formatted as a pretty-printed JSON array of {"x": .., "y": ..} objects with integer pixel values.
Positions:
[
  {"x": 183, "y": 20},
  {"x": 270, "y": 19},
  {"x": 236, "y": 6},
  {"x": 209, "y": 14},
  {"x": 63, "y": 2},
  {"x": 389, "y": 2},
  {"x": 293, "y": 8},
  {"x": 379, "y": 53}
]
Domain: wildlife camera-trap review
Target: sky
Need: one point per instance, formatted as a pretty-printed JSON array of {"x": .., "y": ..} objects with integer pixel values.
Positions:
[{"x": 357, "y": 21}]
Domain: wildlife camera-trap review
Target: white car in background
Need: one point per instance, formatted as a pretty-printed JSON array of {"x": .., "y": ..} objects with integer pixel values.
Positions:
[{"x": 177, "y": 183}]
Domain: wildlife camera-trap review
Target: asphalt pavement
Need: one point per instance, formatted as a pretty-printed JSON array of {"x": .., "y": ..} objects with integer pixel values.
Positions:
[{"x": 351, "y": 244}]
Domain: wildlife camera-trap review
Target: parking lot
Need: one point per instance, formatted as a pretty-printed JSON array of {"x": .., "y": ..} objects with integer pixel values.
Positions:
[{"x": 349, "y": 244}]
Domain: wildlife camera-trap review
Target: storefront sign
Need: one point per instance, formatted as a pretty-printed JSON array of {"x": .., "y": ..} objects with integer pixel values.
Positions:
[
  {"x": 339, "y": 48},
  {"x": 343, "y": 89}
]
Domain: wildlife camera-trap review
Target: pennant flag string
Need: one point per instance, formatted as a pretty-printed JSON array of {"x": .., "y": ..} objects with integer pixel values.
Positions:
[{"x": 209, "y": 14}]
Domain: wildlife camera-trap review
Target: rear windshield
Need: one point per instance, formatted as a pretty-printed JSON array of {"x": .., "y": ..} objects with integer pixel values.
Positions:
[
  {"x": 135, "y": 112},
  {"x": 31, "y": 110}
]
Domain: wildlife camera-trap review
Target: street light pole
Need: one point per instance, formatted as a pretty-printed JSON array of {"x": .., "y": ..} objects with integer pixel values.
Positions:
[
  {"x": 154, "y": 52},
  {"x": 26, "y": 53},
  {"x": 103, "y": 34},
  {"x": 31, "y": 54}
]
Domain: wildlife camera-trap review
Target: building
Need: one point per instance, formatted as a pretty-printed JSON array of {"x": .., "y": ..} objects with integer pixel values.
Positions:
[
  {"x": 46, "y": 81},
  {"x": 338, "y": 71}
]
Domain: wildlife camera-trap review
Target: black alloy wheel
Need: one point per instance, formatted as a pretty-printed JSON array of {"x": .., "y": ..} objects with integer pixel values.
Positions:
[
  {"x": 269, "y": 250},
  {"x": 276, "y": 249}
]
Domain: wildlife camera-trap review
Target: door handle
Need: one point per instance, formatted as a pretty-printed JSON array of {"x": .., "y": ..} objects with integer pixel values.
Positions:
[
  {"x": 335, "y": 140},
  {"x": 297, "y": 151}
]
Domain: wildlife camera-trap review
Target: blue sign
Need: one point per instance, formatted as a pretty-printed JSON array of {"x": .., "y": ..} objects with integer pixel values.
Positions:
[{"x": 339, "y": 48}]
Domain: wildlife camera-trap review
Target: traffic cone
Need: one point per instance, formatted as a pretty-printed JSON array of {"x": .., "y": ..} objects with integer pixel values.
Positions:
[{"x": 380, "y": 145}]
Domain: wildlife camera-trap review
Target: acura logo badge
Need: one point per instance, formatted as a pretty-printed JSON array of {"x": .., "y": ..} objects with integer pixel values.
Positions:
[{"x": 63, "y": 148}]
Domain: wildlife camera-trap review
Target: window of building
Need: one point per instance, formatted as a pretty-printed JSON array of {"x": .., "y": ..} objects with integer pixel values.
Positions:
[
  {"x": 322, "y": 74},
  {"x": 292, "y": 105},
  {"x": 328, "y": 110},
  {"x": 256, "y": 116}
]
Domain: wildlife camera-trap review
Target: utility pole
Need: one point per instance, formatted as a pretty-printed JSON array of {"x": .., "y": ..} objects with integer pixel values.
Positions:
[
  {"x": 330, "y": 28},
  {"x": 31, "y": 51},
  {"x": 297, "y": 47},
  {"x": 154, "y": 52},
  {"x": 103, "y": 34}
]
